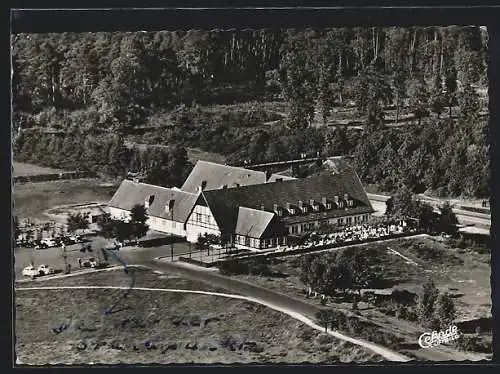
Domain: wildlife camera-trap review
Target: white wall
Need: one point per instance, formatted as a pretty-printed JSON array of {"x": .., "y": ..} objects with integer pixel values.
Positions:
[
  {"x": 333, "y": 221},
  {"x": 154, "y": 223},
  {"x": 120, "y": 214},
  {"x": 201, "y": 221}
]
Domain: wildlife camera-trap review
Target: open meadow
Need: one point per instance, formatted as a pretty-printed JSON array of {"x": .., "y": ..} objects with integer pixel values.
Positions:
[
  {"x": 153, "y": 327},
  {"x": 31, "y": 200}
]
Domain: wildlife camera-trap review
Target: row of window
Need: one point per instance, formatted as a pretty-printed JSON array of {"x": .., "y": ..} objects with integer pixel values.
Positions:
[
  {"x": 315, "y": 207},
  {"x": 339, "y": 221},
  {"x": 256, "y": 243}
]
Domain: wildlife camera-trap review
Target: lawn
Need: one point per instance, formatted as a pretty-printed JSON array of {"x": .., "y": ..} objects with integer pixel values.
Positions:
[
  {"x": 20, "y": 169},
  {"x": 162, "y": 327},
  {"x": 31, "y": 200},
  {"x": 463, "y": 273}
]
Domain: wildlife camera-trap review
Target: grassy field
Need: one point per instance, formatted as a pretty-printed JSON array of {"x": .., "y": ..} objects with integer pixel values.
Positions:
[
  {"x": 463, "y": 273},
  {"x": 162, "y": 327},
  {"x": 20, "y": 169},
  {"x": 32, "y": 199}
]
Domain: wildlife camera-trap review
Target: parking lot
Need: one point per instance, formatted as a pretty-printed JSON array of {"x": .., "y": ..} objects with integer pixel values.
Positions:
[{"x": 53, "y": 256}]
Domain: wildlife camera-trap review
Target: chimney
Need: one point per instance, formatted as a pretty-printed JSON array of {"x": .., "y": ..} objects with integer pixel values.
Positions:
[
  {"x": 301, "y": 204},
  {"x": 311, "y": 202},
  {"x": 203, "y": 185},
  {"x": 224, "y": 186},
  {"x": 268, "y": 175},
  {"x": 323, "y": 200},
  {"x": 237, "y": 185},
  {"x": 275, "y": 208},
  {"x": 170, "y": 206},
  {"x": 262, "y": 207},
  {"x": 336, "y": 199},
  {"x": 288, "y": 206},
  {"x": 346, "y": 197}
]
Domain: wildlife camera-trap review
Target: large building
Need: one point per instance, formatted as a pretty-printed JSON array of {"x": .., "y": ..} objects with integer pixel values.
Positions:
[{"x": 250, "y": 209}]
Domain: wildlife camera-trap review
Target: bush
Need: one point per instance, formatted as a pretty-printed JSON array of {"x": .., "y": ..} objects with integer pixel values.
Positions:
[{"x": 474, "y": 344}]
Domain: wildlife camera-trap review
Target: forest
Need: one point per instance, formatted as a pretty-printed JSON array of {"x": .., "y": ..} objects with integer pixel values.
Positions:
[{"x": 409, "y": 105}]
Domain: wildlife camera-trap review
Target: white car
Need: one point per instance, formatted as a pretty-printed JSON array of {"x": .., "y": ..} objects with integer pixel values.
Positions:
[
  {"x": 30, "y": 271},
  {"x": 45, "y": 270},
  {"x": 49, "y": 242}
]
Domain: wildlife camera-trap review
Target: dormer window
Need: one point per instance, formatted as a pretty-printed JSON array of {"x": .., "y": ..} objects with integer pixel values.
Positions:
[
  {"x": 292, "y": 210},
  {"x": 149, "y": 201},
  {"x": 341, "y": 204},
  {"x": 350, "y": 202},
  {"x": 304, "y": 209},
  {"x": 328, "y": 206},
  {"x": 316, "y": 208}
]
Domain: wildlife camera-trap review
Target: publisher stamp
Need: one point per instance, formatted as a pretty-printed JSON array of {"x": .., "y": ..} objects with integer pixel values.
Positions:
[{"x": 435, "y": 338}]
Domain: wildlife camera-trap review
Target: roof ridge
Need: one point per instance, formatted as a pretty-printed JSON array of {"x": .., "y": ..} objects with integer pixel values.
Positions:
[
  {"x": 257, "y": 210},
  {"x": 165, "y": 188},
  {"x": 230, "y": 166}
]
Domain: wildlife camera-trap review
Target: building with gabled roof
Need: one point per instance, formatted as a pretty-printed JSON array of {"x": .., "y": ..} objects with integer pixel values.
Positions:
[
  {"x": 168, "y": 209},
  {"x": 250, "y": 209},
  {"x": 214, "y": 176}
]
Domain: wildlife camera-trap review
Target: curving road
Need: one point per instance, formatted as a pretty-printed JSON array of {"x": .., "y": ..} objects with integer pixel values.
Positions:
[{"x": 384, "y": 352}]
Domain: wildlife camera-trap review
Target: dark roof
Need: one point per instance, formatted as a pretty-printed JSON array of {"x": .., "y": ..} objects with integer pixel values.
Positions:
[
  {"x": 224, "y": 203},
  {"x": 217, "y": 175},
  {"x": 131, "y": 193}
]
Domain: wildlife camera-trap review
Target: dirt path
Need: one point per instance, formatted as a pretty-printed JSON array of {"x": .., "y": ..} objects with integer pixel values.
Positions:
[{"x": 384, "y": 352}]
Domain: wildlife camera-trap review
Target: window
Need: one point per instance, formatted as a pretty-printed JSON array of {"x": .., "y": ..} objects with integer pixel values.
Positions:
[
  {"x": 198, "y": 217},
  {"x": 341, "y": 204},
  {"x": 328, "y": 205}
]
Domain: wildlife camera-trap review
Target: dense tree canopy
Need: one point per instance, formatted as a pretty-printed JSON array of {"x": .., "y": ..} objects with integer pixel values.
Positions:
[{"x": 257, "y": 95}]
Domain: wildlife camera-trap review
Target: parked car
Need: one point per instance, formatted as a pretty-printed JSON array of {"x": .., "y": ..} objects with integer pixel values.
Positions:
[
  {"x": 67, "y": 240},
  {"x": 30, "y": 271},
  {"x": 87, "y": 262},
  {"x": 76, "y": 239},
  {"x": 50, "y": 242},
  {"x": 41, "y": 245},
  {"x": 91, "y": 262},
  {"x": 45, "y": 270}
]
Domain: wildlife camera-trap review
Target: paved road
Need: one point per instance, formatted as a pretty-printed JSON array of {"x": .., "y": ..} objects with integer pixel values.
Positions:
[
  {"x": 384, "y": 352},
  {"x": 281, "y": 301},
  {"x": 464, "y": 217}
]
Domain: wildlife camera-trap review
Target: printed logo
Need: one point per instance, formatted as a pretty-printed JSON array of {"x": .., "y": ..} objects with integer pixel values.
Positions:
[{"x": 435, "y": 338}]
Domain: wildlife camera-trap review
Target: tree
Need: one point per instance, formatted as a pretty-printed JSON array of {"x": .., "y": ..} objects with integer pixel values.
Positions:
[
  {"x": 469, "y": 104},
  {"x": 426, "y": 303},
  {"x": 361, "y": 273},
  {"x": 451, "y": 87},
  {"x": 17, "y": 230},
  {"x": 106, "y": 225},
  {"x": 419, "y": 99},
  {"x": 402, "y": 205},
  {"x": 138, "y": 218},
  {"x": 373, "y": 92},
  {"x": 445, "y": 310},
  {"x": 427, "y": 218},
  {"x": 399, "y": 81},
  {"x": 438, "y": 99},
  {"x": 77, "y": 221},
  {"x": 447, "y": 220}
]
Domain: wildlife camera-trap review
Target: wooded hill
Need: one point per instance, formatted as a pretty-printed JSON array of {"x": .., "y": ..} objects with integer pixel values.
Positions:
[{"x": 263, "y": 95}]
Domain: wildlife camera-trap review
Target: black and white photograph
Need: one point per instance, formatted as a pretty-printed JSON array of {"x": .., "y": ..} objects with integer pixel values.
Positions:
[{"x": 315, "y": 195}]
